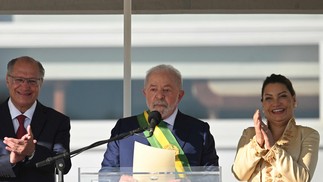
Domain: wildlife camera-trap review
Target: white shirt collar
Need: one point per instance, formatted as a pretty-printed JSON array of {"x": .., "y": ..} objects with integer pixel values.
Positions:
[
  {"x": 14, "y": 112},
  {"x": 171, "y": 119}
]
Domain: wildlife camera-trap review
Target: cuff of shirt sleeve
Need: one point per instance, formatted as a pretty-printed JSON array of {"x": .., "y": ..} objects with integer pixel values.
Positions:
[
  {"x": 32, "y": 155},
  {"x": 272, "y": 153},
  {"x": 260, "y": 152}
]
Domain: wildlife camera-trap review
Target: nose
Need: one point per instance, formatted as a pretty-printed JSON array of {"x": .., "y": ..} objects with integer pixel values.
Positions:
[
  {"x": 160, "y": 94},
  {"x": 276, "y": 101}
]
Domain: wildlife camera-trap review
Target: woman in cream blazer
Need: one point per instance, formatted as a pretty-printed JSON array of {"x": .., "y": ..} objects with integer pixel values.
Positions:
[{"x": 279, "y": 150}]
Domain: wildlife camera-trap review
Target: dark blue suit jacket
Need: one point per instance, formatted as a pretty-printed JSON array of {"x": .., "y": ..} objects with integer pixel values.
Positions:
[
  {"x": 193, "y": 136},
  {"x": 51, "y": 130}
]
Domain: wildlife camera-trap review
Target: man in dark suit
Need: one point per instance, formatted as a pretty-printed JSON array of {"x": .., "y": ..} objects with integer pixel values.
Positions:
[
  {"x": 193, "y": 140},
  {"x": 42, "y": 133}
]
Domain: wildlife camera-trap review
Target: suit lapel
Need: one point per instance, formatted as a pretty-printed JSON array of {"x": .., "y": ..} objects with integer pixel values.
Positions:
[
  {"x": 6, "y": 126},
  {"x": 39, "y": 119},
  {"x": 179, "y": 129},
  {"x": 37, "y": 122}
]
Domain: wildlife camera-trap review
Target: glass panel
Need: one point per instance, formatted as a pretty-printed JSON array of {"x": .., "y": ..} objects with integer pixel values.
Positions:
[{"x": 223, "y": 60}]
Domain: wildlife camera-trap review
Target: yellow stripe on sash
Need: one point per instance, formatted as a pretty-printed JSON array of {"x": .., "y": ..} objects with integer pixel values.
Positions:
[{"x": 161, "y": 138}]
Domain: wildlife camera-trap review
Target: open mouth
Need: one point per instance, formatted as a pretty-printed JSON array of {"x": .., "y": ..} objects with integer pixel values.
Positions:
[{"x": 278, "y": 110}]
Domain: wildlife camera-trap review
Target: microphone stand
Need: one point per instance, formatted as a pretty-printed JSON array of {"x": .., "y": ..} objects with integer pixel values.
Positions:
[{"x": 59, "y": 159}]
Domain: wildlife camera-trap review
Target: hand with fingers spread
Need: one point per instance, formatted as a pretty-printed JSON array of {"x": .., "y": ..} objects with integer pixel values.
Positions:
[
  {"x": 20, "y": 148},
  {"x": 14, "y": 146}
]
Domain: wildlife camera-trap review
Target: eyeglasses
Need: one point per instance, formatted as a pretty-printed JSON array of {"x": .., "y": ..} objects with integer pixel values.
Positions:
[{"x": 30, "y": 81}]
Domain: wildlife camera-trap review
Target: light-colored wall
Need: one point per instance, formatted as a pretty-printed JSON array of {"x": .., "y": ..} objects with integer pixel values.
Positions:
[{"x": 226, "y": 133}]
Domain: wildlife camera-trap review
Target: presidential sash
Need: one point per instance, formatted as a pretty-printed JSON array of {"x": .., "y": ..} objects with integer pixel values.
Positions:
[{"x": 164, "y": 138}]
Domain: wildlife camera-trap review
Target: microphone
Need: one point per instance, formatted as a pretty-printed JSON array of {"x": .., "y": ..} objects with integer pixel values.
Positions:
[
  {"x": 50, "y": 160},
  {"x": 154, "y": 119}
]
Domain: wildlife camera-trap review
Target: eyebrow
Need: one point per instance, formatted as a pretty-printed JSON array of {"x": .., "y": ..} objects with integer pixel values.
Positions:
[{"x": 283, "y": 92}]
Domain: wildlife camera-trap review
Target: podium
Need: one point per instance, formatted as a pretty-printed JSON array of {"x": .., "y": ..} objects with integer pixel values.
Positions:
[{"x": 195, "y": 174}]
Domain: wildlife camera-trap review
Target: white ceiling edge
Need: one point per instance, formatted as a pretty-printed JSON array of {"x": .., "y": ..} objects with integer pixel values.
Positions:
[
  {"x": 199, "y": 70},
  {"x": 159, "y": 32}
]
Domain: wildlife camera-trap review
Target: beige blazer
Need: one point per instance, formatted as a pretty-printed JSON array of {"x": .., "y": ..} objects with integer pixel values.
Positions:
[{"x": 293, "y": 158}]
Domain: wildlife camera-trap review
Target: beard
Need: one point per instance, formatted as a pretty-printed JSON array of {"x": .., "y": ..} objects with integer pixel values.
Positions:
[{"x": 163, "y": 108}]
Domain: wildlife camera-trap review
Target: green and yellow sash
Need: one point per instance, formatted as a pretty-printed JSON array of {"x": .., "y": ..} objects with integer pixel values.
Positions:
[{"x": 164, "y": 138}]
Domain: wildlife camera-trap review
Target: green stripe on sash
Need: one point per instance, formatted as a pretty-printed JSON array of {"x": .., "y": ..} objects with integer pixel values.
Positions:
[{"x": 153, "y": 141}]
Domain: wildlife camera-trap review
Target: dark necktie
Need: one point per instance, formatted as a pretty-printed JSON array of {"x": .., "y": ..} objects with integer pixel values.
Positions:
[
  {"x": 169, "y": 126},
  {"x": 21, "y": 129}
]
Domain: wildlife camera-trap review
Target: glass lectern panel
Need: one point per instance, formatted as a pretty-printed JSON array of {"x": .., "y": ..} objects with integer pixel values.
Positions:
[{"x": 194, "y": 174}]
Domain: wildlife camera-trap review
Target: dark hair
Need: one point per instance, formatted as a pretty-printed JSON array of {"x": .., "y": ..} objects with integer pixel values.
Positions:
[
  {"x": 27, "y": 58},
  {"x": 273, "y": 78}
]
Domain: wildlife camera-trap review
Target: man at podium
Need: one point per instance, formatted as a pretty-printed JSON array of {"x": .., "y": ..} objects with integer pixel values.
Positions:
[{"x": 189, "y": 137}]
